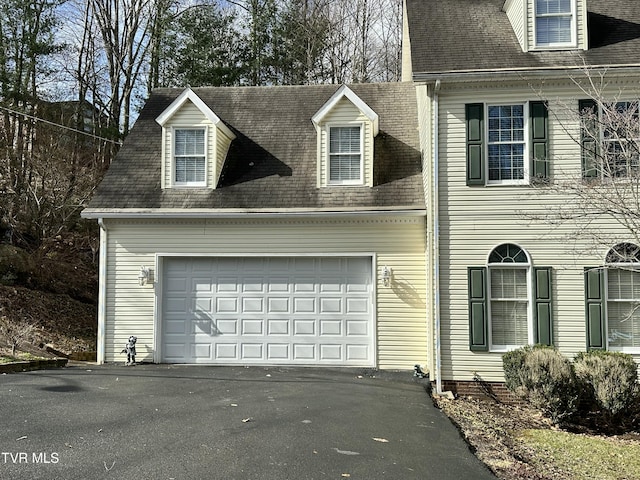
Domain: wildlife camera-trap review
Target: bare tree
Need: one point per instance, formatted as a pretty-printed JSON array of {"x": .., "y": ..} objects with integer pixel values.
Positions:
[
  {"x": 123, "y": 27},
  {"x": 600, "y": 204}
]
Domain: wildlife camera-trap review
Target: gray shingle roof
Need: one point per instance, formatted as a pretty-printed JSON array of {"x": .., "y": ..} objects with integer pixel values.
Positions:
[
  {"x": 272, "y": 163},
  {"x": 469, "y": 35}
]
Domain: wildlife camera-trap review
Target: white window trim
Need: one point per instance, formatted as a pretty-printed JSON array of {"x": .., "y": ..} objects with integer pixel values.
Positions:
[
  {"x": 328, "y": 128},
  {"x": 573, "y": 43},
  {"x": 630, "y": 350},
  {"x": 175, "y": 183},
  {"x": 525, "y": 180}
]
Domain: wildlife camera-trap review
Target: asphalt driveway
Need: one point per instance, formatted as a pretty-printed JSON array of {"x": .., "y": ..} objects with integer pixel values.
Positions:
[{"x": 231, "y": 423}]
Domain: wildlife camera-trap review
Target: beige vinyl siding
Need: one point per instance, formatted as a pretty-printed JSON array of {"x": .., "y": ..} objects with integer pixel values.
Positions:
[
  {"x": 189, "y": 116},
  {"x": 396, "y": 242},
  {"x": 222, "y": 148},
  {"x": 346, "y": 113},
  {"x": 474, "y": 220},
  {"x": 515, "y": 10}
]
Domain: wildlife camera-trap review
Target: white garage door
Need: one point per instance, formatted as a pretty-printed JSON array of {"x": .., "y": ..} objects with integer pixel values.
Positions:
[{"x": 268, "y": 311}]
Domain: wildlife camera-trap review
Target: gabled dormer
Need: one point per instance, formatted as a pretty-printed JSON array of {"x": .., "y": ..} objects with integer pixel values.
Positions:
[
  {"x": 346, "y": 128},
  {"x": 195, "y": 143},
  {"x": 549, "y": 24}
]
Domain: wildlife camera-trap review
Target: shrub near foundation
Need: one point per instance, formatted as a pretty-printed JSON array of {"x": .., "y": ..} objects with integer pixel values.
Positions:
[
  {"x": 545, "y": 378},
  {"x": 610, "y": 377}
]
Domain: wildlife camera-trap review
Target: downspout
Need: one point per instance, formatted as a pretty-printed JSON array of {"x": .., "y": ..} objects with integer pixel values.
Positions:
[
  {"x": 102, "y": 292},
  {"x": 436, "y": 241}
]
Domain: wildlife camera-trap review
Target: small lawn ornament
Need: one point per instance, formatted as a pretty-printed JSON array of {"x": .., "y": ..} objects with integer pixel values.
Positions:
[
  {"x": 418, "y": 372},
  {"x": 130, "y": 350}
]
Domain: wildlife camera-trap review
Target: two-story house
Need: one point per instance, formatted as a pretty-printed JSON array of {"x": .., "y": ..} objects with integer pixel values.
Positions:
[
  {"x": 267, "y": 226},
  {"x": 511, "y": 98},
  {"x": 388, "y": 225}
]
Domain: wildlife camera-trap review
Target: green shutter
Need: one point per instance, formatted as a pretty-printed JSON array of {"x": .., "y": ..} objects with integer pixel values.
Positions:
[
  {"x": 594, "y": 306},
  {"x": 478, "y": 325},
  {"x": 539, "y": 119},
  {"x": 543, "y": 306},
  {"x": 588, "y": 135},
  {"x": 474, "y": 113}
]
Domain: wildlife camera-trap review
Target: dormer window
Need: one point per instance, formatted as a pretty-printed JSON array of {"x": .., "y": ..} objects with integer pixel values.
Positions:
[
  {"x": 346, "y": 128},
  {"x": 345, "y": 154},
  {"x": 555, "y": 23},
  {"x": 189, "y": 157},
  {"x": 195, "y": 143}
]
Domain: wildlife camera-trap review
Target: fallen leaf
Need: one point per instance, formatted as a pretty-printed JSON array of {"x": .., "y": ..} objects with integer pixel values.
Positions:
[
  {"x": 245, "y": 420},
  {"x": 21, "y": 438},
  {"x": 345, "y": 475},
  {"x": 381, "y": 440}
]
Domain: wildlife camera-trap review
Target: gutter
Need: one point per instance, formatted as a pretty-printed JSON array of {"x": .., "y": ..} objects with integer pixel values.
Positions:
[
  {"x": 102, "y": 213},
  {"x": 102, "y": 293},
  {"x": 525, "y": 73}
]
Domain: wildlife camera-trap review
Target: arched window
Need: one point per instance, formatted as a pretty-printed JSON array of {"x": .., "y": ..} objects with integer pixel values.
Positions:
[
  {"x": 509, "y": 297},
  {"x": 622, "y": 277},
  {"x": 510, "y": 301}
]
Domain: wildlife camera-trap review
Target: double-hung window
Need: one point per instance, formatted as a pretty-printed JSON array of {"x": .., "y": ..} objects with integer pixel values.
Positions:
[
  {"x": 345, "y": 154},
  {"x": 509, "y": 302},
  {"x": 610, "y": 138},
  {"x": 507, "y": 144},
  {"x": 554, "y": 23},
  {"x": 621, "y": 138},
  {"x": 189, "y": 157}
]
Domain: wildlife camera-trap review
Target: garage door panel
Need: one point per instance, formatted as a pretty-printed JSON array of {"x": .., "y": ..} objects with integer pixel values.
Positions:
[
  {"x": 330, "y": 328},
  {"x": 304, "y": 327},
  {"x": 330, "y": 352},
  {"x": 176, "y": 285},
  {"x": 357, "y": 353},
  {"x": 252, "y": 351},
  {"x": 226, "y": 351},
  {"x": 304, "y": 352},
  {"x": 227, "y": 305},
  {"x": 252, "y": 327},
  {"x": 278, "y": 305},
  {"x": 227, "y": 284},
  {"x": 278, "y": 351},
  {"x": 330, "y": 305},
  {"x": 357, "y": 328},
  {"x": 305, "y": 310},
  {"x": 357, "y": 305},
  {"x": 175, "y": 305},
  {"x": 201, "y": 351},
  {"x": 304, "y": 305},
  {"x": 279, "y": 285}
]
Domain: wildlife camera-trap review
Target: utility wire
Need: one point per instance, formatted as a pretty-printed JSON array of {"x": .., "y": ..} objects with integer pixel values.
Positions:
[{"x": 38, "y": 119}]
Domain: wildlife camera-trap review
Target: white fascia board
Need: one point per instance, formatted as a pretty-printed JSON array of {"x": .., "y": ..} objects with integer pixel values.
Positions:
[
  {"x": 345, "y": 91},
  {"x": 189, "y": 94},
  {"x": 244, "y": 213},
  {"x": 526, "y": 73}
]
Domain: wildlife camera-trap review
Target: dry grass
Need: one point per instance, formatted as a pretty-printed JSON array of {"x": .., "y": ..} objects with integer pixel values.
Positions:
[{"x": 518, "y": 443}]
